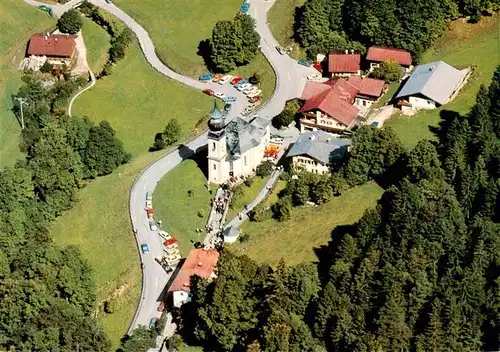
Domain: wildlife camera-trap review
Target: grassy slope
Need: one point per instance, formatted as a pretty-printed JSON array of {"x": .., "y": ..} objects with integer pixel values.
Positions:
[
  {"x": 138, "y": 102},
  {"x": 249, "y": 194},
  {"x": 97, "y": 43},
  {"x": 99, "y": 224},
  {"x": 309, "y": 228},
  {"x": 177, "y": 27},
  {"x": 177, "y": 209},
  {"x": 19, "y": 22},
  {"x": 281, "y": 19},
  {"x": 462, "y": 45}
]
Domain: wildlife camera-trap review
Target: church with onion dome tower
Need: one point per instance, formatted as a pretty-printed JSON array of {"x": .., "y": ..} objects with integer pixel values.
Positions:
[{"x": 236, "y": 148}]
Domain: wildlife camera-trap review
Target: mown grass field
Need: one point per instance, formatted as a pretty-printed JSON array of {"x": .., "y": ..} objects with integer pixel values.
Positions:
[
  {"x": 309, "y": 227},
  {"x": 138, "y": 102},
  {"x": 281, "y": 19},
  {"x": 18, "y": 22},
  {"x": 179, "y": 211},
  {"x": 462, "y": 45},
  {"x": 97, "y": 44},
  {"x": 177, "y": 27}
]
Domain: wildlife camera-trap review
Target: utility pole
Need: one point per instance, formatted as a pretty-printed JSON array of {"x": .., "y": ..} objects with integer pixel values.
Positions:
[{"x": 21, "y": 102}]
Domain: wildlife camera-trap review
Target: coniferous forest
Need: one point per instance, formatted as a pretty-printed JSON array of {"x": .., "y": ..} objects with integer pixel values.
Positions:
[{"x": 420, "y": 272}]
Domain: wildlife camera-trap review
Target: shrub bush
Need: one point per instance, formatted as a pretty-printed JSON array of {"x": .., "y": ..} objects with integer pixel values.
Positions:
[{"x": 70, "y": 22}]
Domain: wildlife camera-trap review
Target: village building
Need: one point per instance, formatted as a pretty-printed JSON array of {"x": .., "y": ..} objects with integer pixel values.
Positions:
[
  {"x": 430, "y": 86},
  {"x": 316, "y": 151},
  {"x": 378, "y": 54},
  {"x": 200, "y": 262},
  {"x": 334, "y": 106},
  {"x": 370, "y": 90},
  {"x": 59, "y": 50},
  {"x": 344, "y": 64},
  {"x": 236, "y": 149}
]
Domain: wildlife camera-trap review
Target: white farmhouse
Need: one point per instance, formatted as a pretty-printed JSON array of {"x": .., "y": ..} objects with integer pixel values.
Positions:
[
  {"x": 236, "y": 149},
  {"x": 430, "y": 86}
]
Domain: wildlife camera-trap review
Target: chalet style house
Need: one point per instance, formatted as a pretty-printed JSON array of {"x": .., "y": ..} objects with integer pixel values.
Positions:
[
  {"x": 334, "y": 105},
  {"x": 59, "y": 50},
  {"x": 378, "y": 54}
]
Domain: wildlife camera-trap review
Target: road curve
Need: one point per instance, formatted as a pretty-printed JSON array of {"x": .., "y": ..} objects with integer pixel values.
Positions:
[{"x": 290, "y": 80}]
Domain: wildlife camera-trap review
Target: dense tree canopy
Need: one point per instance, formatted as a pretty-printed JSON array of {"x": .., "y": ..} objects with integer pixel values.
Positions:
[
  {"x": 70, "y": 22},
  {"x": 234, "y": 43}
]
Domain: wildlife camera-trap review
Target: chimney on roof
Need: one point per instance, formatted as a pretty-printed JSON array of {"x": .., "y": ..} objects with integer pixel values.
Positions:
[
  {"x": 312, "y": 137},
  {"x": 45, "y": 36},
  {"x": 55, "y": 38},
  {"x": 186, "y": 284},
  {"x": 200, "y": 263},
  {"x": 346, "y": 51},
  {"x": 352, "y": 51}
]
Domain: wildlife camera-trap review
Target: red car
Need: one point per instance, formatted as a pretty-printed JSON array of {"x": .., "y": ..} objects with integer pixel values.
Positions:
[
  {"x": 236, "y": 80},
  {"x": 209, "y": 92},
  {"x": 255, "y": 99}
]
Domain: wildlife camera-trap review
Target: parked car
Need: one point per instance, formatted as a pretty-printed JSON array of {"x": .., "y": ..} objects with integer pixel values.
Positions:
[
  {"x": 375, "y": 124},
  {"x": 152, "y": 226},
  {"x": 240, "y": 83},
  {"x": 149, "y": 212},
  {"x": 109, "y": 1},
  {"x": 243, "y": 86},
  {"x": 304, "y": 63},
  {"x": 236, "y": 79},
  {"x": 208, "y": 92},
  {"x": 219, "y": 95},
  {"x": 249, "y": 89},
  {"x": 165, "y": 235},
  {"x": 314, "y": 77},
  {"x": 229, "y": 99},
  {"x": 206, "y": 77},
  {"x": 280, "y": 49},
  {"x": 255, "y": 99},
  {"x": 254, "y": 93},
  {"x": 225, "y": 79},
  {"x": 149, "y": 200},
  {"x": 245, "y": 7},
  {"x": 217, "y": 77},
  {"x": 144, "y": 248},
  {"x": 228, "y": 106},
  {"x": 152, "y": 322},
  {"x": 277, "y": 140}
]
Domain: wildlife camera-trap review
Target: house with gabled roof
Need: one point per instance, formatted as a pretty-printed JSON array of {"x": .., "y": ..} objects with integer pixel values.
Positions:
[
  {"x": 57, "y": 49},
  {"x": 378, "y": 54},
  {"x": 314, "y": 151},
  {"x": 200, "y": 262},
  {"x": 344, "y": 64},
  {"x": 333, "y": 106},
  {"x": 431, "y": 85}
]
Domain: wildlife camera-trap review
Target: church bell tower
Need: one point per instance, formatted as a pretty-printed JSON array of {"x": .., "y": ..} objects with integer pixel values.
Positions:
[{"x": 217, "y": 148}]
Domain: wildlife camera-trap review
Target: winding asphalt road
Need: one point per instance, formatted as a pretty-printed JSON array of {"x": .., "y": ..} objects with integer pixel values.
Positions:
[{"x": 290, "y": 81}]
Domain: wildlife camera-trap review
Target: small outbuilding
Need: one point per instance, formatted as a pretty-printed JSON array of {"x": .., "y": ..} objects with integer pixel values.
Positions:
[{"x": 431, "y": 85}]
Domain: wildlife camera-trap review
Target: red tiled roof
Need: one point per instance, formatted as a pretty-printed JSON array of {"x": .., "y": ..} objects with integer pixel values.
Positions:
[
  {"x": 367, "y": 86},
  {"x": 381, "y": 54},
  {"x": 312, "y": 89},
  {"x": 335, "y": 101},
  {"x": 338, "y": 63},
  {"x": 199, "y": 262},
  {"x": 55, "y": 45}
]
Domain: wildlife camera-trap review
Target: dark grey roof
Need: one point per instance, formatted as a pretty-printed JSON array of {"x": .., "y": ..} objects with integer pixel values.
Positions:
[
  {"x": 319, "y": 145},
  {"x": 242, "y": 135},
  {"x": 435, "y": 80}
]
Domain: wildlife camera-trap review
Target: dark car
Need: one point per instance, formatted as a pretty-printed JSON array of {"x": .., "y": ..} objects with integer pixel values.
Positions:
[{"x": 208, "y": 92}]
